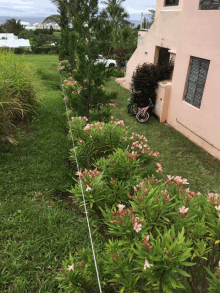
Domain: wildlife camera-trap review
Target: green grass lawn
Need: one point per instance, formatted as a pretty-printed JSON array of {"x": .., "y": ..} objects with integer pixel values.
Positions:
[
  {"x": 38, "y": 228},
  {"x": 179, "y": 155}
]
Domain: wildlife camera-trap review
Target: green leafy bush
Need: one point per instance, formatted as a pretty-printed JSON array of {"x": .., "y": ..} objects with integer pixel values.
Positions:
[
  {"x": 45, "y": 50},
  {"x": 17, "y": 90}
]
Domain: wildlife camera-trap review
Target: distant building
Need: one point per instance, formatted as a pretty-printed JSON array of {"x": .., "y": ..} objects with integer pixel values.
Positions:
[
  {"x": 12, "y": 41},
  {"x": 46, "y": 26},
  {"x": 27, "y": 25}
]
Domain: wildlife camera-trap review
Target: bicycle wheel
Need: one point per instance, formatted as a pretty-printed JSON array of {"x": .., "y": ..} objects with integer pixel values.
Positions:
[{"x": 142, "y": 116}]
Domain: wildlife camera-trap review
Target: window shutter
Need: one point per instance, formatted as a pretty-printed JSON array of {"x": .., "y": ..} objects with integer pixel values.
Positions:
[
  {"x": 204, "y": 66},
  {"x": 196, "y": 81},
  {"x": 209, "y": 4}
]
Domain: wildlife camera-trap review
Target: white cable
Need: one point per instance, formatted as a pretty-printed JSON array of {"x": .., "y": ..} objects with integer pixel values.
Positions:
[{"x": 84, "y": 202}]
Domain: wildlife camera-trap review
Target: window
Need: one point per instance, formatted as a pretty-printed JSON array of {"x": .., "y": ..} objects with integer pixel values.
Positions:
[
  {"x": 171, "y": 2},
  {"x": 198, "y": 72},
  {"x": 209, "y": 4}
]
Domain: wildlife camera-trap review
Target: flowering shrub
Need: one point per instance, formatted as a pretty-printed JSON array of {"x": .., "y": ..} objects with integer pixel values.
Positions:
[
  {"x": 164, "y": 238},
  {"x": 64, "y": 66},
  {"x": 154, "y": 233}
]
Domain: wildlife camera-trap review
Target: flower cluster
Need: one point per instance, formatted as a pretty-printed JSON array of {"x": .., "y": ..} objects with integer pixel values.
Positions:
[
  {"x": 87, "y": 173},
  {"x": 133, "y": 155},
  {"x": 119, "y": 123},
  {"x": 213, "y": 198},
  {"x": 86, "y": 176},
  {"x": 139, "y": 143},
  {"x": 64, "y": 65},
  {"x": 68, "y": 82},
  {"x": 177, "y": 179},
  {"x": 97, "y": 124},
  {"x": 159, "y": 168},
  {"x": 121, "y": 214},
  {"x": 166, "y": 196},
  {"x": 83, "y": 118}
]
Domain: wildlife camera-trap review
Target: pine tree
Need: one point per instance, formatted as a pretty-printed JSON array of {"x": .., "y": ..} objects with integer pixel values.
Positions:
[{"x": 92, "y": 38}]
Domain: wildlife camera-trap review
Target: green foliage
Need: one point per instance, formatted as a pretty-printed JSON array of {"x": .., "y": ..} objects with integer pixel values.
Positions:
[
  {"x": 17, "y": 90},
  {"x": 45, "y": 50},
  {"x": 64, "y": 24},
  {"x": 72, "y": 50},
  {"x": 12, "y": 26},
  {"x": 96, "y": 140},
  {"x": 64, "y": 45},
  {"x": 26, "y": 34}
]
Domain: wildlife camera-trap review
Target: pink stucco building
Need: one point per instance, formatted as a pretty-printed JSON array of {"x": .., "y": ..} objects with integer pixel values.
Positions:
[{"x": 188, "y": 32}]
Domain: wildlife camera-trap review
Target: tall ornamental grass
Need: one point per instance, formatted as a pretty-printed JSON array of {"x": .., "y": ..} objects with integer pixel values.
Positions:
[{"x": 17, "y": 90}]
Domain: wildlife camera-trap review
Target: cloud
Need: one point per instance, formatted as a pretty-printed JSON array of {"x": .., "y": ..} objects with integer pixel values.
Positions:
[
  {"x": 16, "y": 2},
  {"x": 135, "y": 11},
  {"x": 21, "y": 7}
]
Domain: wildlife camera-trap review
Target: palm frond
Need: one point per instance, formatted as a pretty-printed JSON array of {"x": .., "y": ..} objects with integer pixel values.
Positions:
[{"x": 55, "y": 18}]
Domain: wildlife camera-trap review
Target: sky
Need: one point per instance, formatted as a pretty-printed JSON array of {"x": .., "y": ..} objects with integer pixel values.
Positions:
[{"x": 34, "y": 8}]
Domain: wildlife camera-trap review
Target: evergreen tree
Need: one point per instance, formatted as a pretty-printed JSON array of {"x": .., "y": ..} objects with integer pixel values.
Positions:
[
  {"x": 92, "y": 38},
  {"x": 64, "y": 24},
  {"x": 12, "y": 26}
]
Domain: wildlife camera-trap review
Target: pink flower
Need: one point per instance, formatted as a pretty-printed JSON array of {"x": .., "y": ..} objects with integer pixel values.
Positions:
[
  {"x": 79, "y": 174},
  {"x": 85, "y": 119},
  {"x": 112, "y": 117},
  {"x": 146, "y": 264},
  {"x": 88, "y": 188},
  {"x": 70, "y": 268},
  {"x": 217, "y": 208},
  {"x": 87, "y": 127},
  {"x": 137, "y": 227},
  {"x": 183, "y": 210},
  {"x": 120, "y": 207}
]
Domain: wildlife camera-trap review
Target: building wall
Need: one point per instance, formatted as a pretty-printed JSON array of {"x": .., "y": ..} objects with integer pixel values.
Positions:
[
  {"x": 163, "y": 33},
  {"x": 199, "y": 38},
  {"x": 187, "y": 31},
  {"x": 160, "y": 6}
]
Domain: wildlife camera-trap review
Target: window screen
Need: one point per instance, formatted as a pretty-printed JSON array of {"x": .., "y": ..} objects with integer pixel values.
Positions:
[
  {"x": 171, "y": 2},
  {"x": 196, "y": 81},
  {"x": 209, "y": 4}
]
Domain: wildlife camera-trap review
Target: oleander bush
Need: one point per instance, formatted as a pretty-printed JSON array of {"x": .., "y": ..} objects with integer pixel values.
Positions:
[
  {"x": 151, "y": 233},
  {"x": 17, "y": 90}
]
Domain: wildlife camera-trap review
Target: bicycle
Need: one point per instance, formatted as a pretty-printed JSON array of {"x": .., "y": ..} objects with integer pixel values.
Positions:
[{"x": 142, "y": 114}]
